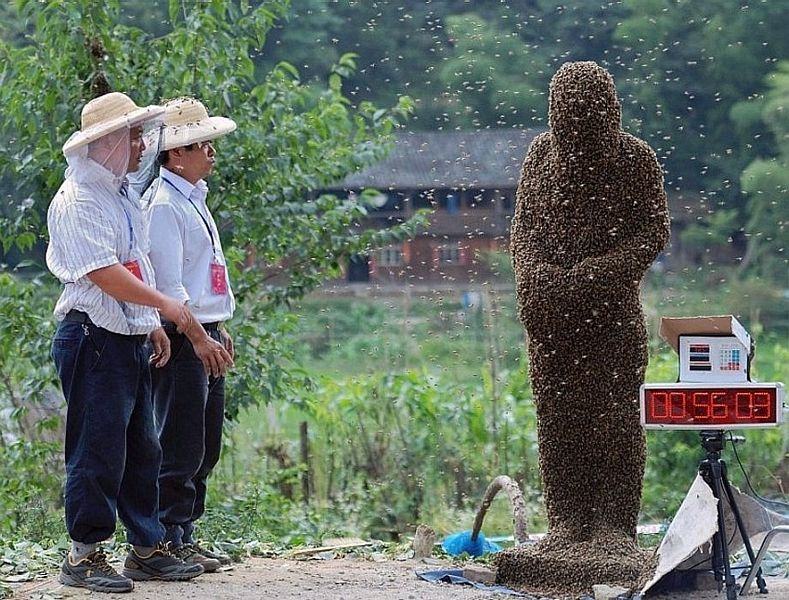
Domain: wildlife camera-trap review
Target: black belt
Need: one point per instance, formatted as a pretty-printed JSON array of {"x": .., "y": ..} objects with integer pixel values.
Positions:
[
  {"x": 170, "y": 327},
  {"x": 77, "y": 316}
]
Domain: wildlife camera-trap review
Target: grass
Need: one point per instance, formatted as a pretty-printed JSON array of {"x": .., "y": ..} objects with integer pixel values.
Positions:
[
  {"x": 342, "y": 336},
  {"x": 356, "y": 339},
  {"x": 345, "y": 337}
]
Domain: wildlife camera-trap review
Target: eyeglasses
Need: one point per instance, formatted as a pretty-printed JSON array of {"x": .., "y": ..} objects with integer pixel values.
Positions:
[{"x": 201, "y": 145}]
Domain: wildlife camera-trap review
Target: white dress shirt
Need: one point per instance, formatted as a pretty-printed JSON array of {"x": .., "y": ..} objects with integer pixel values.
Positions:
[
  {"x": 94, "y": 222},
  {"x": 184, "y": 244}
]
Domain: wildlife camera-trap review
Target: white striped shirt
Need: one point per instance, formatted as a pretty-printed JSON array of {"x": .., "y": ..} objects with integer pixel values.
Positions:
[
  {"x": 94, "y": 224},
  {"x": 184, "y": 243}
]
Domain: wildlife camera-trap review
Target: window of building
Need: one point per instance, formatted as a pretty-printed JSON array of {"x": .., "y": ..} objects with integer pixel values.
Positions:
[
  {"x": 508, "y": 201},
  {"x": 391, "y": 256},
  {"x": 395, "y": 202},
  {"x": 449, "y": 254},
  {"x": 490, "y": 197},
  {"x": 477, "y": 199},
  {"x": 452, "y": 253},
  {"x": 439, "y": 198},
  {"x": 423, "y": 199},
  {"x": 453, "y": 204},
  {"x": 358, "y": 268},
  {"x": 449, "y": 200}
]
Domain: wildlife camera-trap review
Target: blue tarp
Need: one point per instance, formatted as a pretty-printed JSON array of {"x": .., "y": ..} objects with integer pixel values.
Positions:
[
  {"x": 456, "y": 576},
  {"x": 459, "y": 543}
]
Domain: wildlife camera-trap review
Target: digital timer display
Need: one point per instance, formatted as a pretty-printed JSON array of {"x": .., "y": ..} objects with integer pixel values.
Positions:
[{"x": 701, "y": 406}]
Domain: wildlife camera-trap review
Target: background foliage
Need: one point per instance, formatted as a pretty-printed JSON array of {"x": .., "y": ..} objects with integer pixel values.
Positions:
[
  {"x": 411, "y": 404},
  {"x": 292, "y": 139},
  {"x": 703, "y": 83}
]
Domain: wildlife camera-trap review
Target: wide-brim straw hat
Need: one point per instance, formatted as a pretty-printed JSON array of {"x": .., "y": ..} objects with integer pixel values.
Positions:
[
  {"x": 109, "y": 113},
  {"x": 186, "y": 121}
]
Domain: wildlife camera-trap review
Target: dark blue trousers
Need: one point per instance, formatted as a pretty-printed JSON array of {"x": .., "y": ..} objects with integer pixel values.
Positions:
[
  {"x": 112, "y": 452},
  {"x": 189, "y": 407}
]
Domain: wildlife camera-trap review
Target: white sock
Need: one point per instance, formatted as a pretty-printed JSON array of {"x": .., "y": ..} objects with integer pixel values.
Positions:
[{"x": 80, "y": 550}]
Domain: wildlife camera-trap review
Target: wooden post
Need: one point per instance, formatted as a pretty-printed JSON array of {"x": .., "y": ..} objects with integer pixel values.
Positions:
[
  {"x": 423, "y": 542},
  {"x": 305, "y": 460},
  {"x": 406, "y": 329},
  {"x": 489, "y": 309}
]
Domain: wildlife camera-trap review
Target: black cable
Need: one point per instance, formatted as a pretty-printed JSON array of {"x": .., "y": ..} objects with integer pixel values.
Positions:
[{"x": 747, "y": 479}]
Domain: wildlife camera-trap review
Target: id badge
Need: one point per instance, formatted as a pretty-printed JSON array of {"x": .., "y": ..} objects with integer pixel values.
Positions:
[
  {"x": 218, "y": 279},
  {"x": 133, "y": 267}
]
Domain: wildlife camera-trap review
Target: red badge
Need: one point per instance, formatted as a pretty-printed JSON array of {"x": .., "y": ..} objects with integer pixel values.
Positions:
[
  {"x": 218, "y": 279},
  {"x": 133, "y": 267}
]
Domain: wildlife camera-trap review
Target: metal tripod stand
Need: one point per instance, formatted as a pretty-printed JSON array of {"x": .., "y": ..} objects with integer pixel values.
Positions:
[{"x": 713, "y": 470}]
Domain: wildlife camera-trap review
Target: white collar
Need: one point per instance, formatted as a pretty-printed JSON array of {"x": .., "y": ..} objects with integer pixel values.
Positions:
[
  {"x": 181, "y": 184},
  {"x": 86, "y": 170}
]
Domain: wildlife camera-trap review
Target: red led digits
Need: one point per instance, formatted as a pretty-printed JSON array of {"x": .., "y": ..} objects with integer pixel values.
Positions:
[
  {"x": 678, "y": 405},
  {"x": 762, "y": 405},
  {"x": 659, "y": 405},
  {"x": 714, "y": 407},
  {"x": 701, "y": 405},
  {"x": 721, "y": 407},
  {"x": 743, "y": 405}
]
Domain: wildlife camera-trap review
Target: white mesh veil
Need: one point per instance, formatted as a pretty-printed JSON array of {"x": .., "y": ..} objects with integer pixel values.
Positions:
[
  {"x": 107, "y": 154},
  {"x": 149, "y": 165},
  {"x": 115, "y": 153}
]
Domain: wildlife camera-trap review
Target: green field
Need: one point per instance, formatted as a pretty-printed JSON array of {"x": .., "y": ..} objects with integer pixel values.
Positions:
[{"x": 419, "y": 403}]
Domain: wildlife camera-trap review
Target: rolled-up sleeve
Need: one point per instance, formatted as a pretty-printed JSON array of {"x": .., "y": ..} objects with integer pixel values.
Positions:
[
  {"x": 167, "y": 251},
  {"x": 83, "y": 240}
]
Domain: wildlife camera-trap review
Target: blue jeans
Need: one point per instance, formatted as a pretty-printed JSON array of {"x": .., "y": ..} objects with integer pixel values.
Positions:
[
  {"x": 189, "y": 407},
  {"x": 112, "y": 452}
]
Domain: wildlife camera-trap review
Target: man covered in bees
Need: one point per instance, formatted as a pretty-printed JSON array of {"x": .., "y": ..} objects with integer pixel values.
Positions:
[{"x": 591, "y": 217}]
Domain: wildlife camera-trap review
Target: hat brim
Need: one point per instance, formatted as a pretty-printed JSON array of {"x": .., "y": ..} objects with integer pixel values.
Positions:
[
  {"x": 211, "y": 128},
  {"x": 130, "y": 119}
]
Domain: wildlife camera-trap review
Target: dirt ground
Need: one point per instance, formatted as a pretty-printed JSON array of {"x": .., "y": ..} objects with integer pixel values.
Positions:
[{"x": 339, "y": 579}]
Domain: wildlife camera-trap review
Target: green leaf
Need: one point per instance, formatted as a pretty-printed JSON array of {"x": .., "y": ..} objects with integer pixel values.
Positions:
[
  {"x": 335, "y": 82},
  {"x": 289, "y": 68},
  {"x": 173, "y": 8}
]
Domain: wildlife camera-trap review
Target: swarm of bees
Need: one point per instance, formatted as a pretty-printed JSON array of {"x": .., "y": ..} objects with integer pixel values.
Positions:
[{"x": 590, "y": 219}]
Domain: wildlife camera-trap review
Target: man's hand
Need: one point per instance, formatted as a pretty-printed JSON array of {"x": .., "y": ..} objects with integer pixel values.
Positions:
[
  {"x": 216, "y": 360},
  {"x": 227, "y": 342},
  {"x": 212, "y": 354},
  {"x": 177, "y": 312},
  {"x": 161, "y": 348}
]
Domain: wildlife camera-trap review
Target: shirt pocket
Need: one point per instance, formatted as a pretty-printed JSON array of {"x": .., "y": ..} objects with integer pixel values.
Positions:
[{"x": 196, "y": 238}]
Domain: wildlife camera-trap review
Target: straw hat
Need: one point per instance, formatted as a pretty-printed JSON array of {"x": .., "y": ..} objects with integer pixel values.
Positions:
[
  {"x": 187, "y": 122},
  {"x": 109, "y": 113}
]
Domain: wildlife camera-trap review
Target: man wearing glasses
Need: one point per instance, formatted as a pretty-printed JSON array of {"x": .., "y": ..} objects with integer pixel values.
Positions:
[{"x": 189, "y": 264}]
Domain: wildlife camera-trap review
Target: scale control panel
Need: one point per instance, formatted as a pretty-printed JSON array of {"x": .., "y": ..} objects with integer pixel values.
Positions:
[{"x": 711, "y": 358}]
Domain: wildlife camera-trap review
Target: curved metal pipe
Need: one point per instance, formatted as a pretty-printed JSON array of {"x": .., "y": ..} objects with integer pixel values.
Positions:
[{"x": 518, "y": 506}]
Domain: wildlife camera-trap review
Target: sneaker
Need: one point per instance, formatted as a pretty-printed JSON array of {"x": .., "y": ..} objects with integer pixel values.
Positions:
[
  {"x": 161, "y": 565},
  {"x": 190, "y": 555},
  {"x": 95, "y": 573},
  {"x": 223, "y": 559}
]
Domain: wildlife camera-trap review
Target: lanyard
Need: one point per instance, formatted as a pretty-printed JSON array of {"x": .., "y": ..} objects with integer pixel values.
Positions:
[
  {"x": 128, "y": 220},
  {"x": 197, "y": 210}
]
